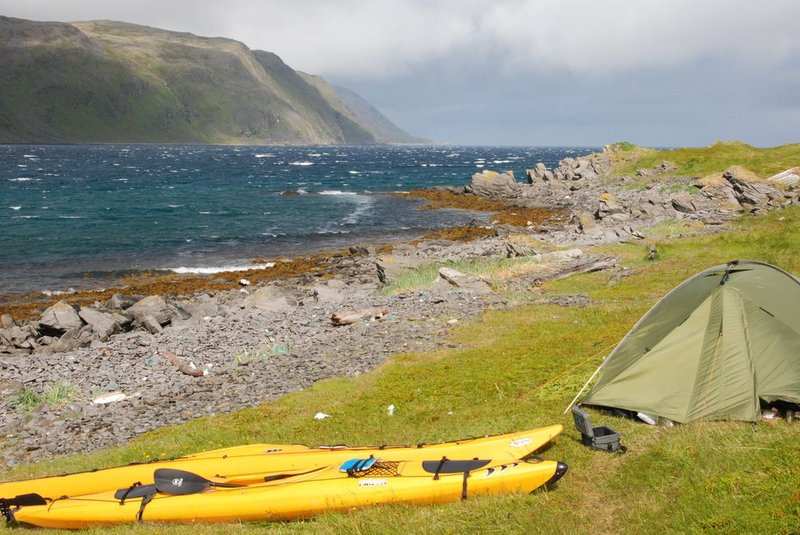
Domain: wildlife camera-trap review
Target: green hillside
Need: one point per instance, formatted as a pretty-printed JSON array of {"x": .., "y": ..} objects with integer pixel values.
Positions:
[{"x": 107, "y": 81}]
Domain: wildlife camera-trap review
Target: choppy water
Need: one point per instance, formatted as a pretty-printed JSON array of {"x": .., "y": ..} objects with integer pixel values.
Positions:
[{"x": 76, "y": 216}]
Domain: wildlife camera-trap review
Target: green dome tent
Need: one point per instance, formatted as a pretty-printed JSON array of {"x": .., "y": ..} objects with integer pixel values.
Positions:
[{"x": 710, "y": 349}]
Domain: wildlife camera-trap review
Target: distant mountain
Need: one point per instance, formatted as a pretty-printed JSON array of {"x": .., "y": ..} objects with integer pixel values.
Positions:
[
  {"x": 352, "y": 105},
  {"x": 103, "y": 81}
]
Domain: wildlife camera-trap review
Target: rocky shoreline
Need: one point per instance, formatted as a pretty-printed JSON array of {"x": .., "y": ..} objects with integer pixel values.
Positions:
[{"x": 131, "y": 364}]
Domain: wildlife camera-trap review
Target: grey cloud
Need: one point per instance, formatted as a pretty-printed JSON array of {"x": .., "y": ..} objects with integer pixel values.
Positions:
[{"x": 662, "y": 72}]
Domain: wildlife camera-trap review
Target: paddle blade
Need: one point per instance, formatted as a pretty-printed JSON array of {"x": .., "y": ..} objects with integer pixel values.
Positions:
[{"x": 171, "y": 481}]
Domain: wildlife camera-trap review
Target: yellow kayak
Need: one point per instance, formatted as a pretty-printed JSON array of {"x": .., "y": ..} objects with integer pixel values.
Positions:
[
  {"x": 304, "y": 495},
  {"x": 241, "y": 461}
]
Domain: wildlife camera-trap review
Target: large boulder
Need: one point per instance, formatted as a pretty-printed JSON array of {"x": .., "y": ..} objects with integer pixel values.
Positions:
[
  {"x": 391, "y": 266},
  {"x": 684, "y": 203},
  {"x": 6, "y": 321},
  {"x": 790, "y": 177},
  {"x": 271, "y": 298},
  {"x": 585, "y": 170},
  {"x": 748, "y": 189},
  {"x": 540, "y": 173},
  {"x": 60, "y": 318},
  {"x": 121, "y": 302},
  {"x": 609, "y": 206},
  {"x": 586, "y": 221},
  {"x": 72, "y": 339},
  {"x": 718, "y": 190},
  {"x": 493, "y": 185},
  {"x": 200, "y": 307},
  {"x": 154, "y": 306},
  {"x": 102, "y": 323}
]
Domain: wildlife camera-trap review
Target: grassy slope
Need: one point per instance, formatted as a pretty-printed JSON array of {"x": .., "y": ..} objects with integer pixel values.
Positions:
[
  {"x": 518, "y": 369},
  {"x": 703, "y": 161},
  {"x": 58, "y": 86}
]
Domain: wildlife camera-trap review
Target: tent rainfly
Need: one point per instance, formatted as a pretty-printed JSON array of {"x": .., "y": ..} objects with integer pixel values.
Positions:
[{"x": 711, "y": 349}]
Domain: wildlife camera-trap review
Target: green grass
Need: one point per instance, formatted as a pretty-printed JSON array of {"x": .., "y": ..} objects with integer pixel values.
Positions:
[
  {"x": 26, "y": 400},
  {"x": 54, "y": 395},
  {"x": 716, "y": 158},
  {"x": 517, "y": 369}
]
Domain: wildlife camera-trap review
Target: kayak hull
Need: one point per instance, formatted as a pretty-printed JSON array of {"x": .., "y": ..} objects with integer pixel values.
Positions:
[
  {"x": 242, "y": 461},
  {"x": 309, "y": 495}
]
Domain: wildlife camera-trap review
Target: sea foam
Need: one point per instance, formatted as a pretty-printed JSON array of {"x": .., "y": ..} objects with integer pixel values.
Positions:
[
  {"x": 213, "y": 270},
  {"x": 337, "y": 192}
]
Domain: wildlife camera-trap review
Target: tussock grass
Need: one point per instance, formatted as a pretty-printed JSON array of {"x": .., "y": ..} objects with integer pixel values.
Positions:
[
  {"x": 716, "y": 158},
  {"x": 56, "y": 394},
  {"x": 519, "y": 368}
]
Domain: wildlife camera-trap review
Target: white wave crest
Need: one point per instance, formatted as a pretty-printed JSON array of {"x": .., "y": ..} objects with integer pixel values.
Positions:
[
  {"x": 301, "y": 163},
  {"x": 55, "y": 293},
  {"x": 337, "y": 192},
  {"x": 213, "y": 270}
]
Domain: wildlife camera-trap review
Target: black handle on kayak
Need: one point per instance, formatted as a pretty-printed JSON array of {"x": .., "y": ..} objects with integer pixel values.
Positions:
[{"x": 21, "y": 500}]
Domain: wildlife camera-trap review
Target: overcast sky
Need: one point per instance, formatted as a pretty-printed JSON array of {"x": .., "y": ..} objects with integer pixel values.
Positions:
[{"x": 520, "y": 72}]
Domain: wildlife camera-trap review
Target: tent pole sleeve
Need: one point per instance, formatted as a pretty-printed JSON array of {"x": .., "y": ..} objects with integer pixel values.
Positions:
[{"x": 571, "y": 403}]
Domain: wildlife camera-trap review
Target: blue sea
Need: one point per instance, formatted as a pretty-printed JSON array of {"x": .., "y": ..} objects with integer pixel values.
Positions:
[{"x": 78, "y": 216}]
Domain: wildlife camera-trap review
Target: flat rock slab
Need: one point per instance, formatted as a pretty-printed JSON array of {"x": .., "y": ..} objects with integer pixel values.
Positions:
[
  {"x": 463, "y": 281},
  {"x": 272, "y": 298}
]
